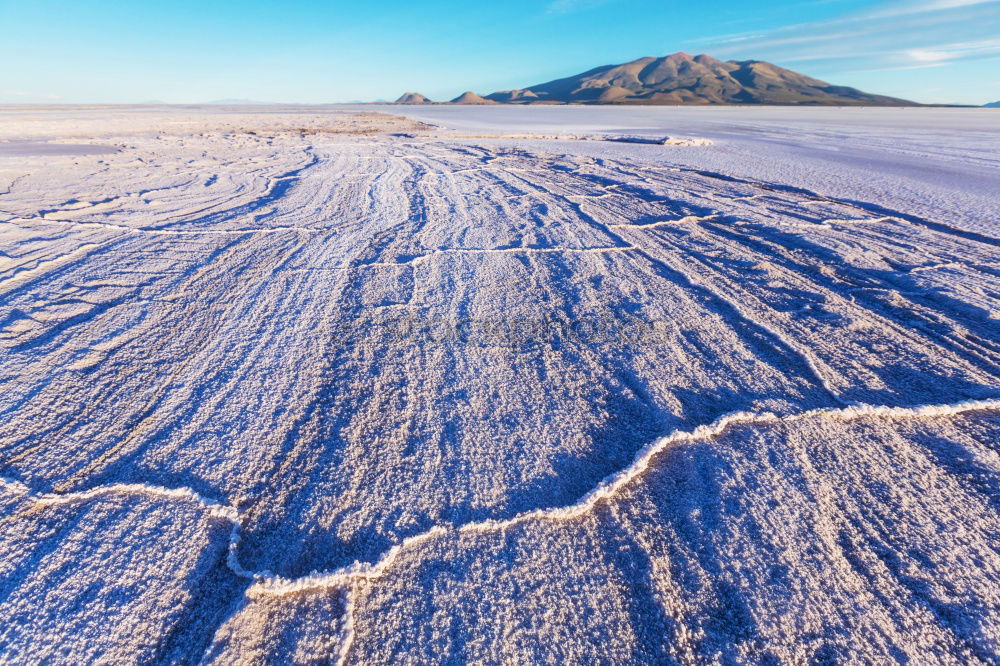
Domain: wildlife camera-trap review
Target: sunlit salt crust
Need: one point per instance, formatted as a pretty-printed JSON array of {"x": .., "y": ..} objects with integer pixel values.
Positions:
[{"x": 297, "y": 385}]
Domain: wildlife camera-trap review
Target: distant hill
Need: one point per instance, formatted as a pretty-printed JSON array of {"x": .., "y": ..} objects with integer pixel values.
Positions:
[
  {"x": 413, "y": 98},
  {"x": 993, "y": 105},
  {"x": 683, "y": 79},
  {"x": 469, "y": 97}
]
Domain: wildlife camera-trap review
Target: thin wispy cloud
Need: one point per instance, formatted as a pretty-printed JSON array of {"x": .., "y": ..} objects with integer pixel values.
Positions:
[
  {"x": 891, "y": 36},
  {"x": 923, "y": 55},
  {"x": 909, "y": 7},
  {"x": 899, "y": 68},
  {"x": 956, "y": 51}
]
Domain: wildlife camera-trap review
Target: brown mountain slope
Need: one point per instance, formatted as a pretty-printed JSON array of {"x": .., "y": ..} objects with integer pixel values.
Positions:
[
  {"x": 683, "y": 79},
  {"x": 469, "y": 97},
  {"x": 412, "y": 98}
]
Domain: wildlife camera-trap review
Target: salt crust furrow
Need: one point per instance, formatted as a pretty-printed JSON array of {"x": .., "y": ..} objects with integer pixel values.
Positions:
[
  {"x": 165, "y": 232},
  {"x": 268, "y": 584},
  {"x": 687, "y": 219}
]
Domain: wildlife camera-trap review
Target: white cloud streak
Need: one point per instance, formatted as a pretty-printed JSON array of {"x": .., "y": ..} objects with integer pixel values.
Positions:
[{"x": 893, "y": 36}]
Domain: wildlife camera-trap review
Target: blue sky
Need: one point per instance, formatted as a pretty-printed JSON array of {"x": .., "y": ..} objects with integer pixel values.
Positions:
[{"x": 334, "y": 51}]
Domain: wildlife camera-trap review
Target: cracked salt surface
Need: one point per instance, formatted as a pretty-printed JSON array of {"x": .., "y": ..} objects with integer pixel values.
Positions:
[{"x": 239, "y": 446}]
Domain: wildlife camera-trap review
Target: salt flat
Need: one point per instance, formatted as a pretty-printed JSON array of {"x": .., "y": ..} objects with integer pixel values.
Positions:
[{"x": 494, "y": 385}]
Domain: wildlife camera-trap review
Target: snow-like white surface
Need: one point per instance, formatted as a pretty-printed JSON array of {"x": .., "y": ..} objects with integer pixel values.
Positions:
[
  {"x": 934, "y": 161},
  {"x": 302, "y": 386}
]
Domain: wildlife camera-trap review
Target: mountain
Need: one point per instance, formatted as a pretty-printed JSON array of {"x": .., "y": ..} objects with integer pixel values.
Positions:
[
  {"x": 413, "y": 98},
  {"x": 469, "y": 97},
  {"x": 993, "y": 105},
  {"x": 683, "y": 79}
]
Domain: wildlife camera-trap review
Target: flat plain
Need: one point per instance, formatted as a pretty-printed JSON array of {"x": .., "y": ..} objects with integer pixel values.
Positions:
[{"x": 555, "y": 385}]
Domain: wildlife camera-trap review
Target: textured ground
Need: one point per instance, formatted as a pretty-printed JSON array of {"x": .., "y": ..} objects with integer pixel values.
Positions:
[{"x": 330, "y": 388}]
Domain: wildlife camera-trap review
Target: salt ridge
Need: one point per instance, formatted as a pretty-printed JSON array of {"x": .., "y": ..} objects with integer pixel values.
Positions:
[{"x": 268, "y": 584}]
